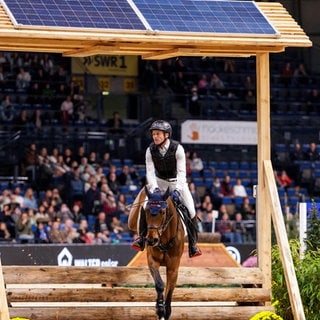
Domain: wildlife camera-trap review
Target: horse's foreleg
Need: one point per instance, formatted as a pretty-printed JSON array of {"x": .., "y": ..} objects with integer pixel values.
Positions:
[
  {"x": 159, "y": 285},
  {"x": 172, "y": 277}
]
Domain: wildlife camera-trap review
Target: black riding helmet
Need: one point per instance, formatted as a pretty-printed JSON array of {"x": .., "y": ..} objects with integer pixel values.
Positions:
[{"x": 162, "y": 126}]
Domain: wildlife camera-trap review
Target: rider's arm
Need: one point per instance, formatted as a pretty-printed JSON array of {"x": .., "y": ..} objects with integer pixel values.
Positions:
[
  {"x": 150, "y": 172},
  {"x": 181, "y": 168}
]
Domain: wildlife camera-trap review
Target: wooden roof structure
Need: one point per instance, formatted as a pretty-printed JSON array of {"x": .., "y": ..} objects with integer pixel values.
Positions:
[{"x": 78, "y": 42}]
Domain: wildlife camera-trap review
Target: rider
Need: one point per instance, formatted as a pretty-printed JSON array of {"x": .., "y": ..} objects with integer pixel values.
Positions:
[{"x": 166, "y": 168}]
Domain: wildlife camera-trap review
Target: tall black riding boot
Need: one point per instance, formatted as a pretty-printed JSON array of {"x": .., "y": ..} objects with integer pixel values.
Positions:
[
  {"x": 194, "y": 251},
  {"x": 139, "y": 243}
]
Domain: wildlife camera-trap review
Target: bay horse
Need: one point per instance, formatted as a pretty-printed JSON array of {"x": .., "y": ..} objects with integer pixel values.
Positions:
[{"x": 165, "y": 246}]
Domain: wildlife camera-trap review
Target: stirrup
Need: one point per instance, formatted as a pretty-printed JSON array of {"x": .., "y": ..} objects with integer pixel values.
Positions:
[
  {"x": 138, "y": 244},
  {"x": 194, "y": 252}
]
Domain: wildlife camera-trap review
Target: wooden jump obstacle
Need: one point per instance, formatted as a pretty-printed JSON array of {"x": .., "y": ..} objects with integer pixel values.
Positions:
[{"x": 100, "y": 293}]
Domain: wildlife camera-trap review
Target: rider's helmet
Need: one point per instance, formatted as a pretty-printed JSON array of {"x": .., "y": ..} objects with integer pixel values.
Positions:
[{"x": 161, "y": 125}]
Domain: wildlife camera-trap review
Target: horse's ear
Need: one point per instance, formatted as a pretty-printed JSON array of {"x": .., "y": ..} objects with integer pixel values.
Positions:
[
  {"x": 166, "y": 195},
  {"x": 147, "y": 192}
]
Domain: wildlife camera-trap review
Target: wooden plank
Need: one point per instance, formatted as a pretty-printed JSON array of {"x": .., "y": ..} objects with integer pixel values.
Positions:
[
  {"x": 264, "y": 153},
  {"x": 283, "y": 242},
  {"x": 107, "y": 276},
  {"x": 134, "y": 294},
  {"x": 119, "y": 313},
  {"x": 4, "y": 311}
]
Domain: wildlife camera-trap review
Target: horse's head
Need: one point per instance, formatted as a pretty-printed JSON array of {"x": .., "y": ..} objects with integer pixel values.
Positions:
[{"x": 156, "y": 216}]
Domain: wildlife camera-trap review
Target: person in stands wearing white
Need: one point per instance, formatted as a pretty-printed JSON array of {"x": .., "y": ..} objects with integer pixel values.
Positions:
[{"x": 166, "y": 168}]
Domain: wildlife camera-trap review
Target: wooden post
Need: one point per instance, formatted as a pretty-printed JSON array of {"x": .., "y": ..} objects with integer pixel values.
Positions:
[
  {"x": 264, "y": 153},
  {"x": 4, "y": 310}
]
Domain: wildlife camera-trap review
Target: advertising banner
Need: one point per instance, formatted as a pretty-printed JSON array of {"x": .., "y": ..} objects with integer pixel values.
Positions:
[
  {"x": 83, "y": 255},
  {"x": 219, "y": 132},
  {"x": 106, "y": 65}
]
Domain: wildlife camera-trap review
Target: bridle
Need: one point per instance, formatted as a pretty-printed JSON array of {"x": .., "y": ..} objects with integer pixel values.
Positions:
[{"x": 162, "y": 228}]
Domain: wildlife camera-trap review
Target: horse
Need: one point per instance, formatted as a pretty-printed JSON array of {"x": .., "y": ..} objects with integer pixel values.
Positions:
[{"x": 165, "y": 245}]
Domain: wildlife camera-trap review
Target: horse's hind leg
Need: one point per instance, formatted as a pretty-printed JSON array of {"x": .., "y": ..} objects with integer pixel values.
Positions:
[{"x": 159, "y": 285}]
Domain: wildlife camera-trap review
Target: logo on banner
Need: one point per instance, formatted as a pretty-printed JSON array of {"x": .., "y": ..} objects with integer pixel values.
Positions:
[
  {"x": 65, "y": 258},
  {"x": 234, "y": 253}
]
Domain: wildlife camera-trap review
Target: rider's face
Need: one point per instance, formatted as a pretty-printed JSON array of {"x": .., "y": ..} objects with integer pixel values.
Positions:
[{"x": 158, "y": 136}]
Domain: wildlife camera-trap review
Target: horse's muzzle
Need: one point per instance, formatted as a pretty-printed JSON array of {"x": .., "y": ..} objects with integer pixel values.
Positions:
[{"x": 152, "y": 242}]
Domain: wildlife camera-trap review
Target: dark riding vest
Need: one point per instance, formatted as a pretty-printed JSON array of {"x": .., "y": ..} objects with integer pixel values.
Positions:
[{"x": 166, "y": 166}]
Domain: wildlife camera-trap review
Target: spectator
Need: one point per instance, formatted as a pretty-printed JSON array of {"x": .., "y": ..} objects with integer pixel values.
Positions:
[
  {"x": 284, "y": 179},
  {"x": 67, "y": 110},
  {"x": 297, "y": 153},
  {"x": 113, "y": 182},
  {"x": 225, "y": 228},
  {"x": 196, "y": 163},
  {"x": 249, "y": 215},
  {"x": 106, "y": 160},
  {"x": 122, "y": 205},
  {"x": 4, "y": 233},
  {"x": 6, "y": 216},
  {"x": 92, "y": 200},
  {"x": 115, "y": 124},
  {"x": 7, "y": 110},
  {"x": 313, "y": 101},
  {"x": 77, "y": 212},
  {"x": 24, "y": 227},
  {"x": 101, "y": 228},
  {"x": 23, "y": 79},
  {"x": 75, "y": 187},
  {"x": 239, "y": 229},
  {"x": 194, "y": 105},
  {"x": 227, "y": 187},
  {"x": 29, "y": 200},
  {"x": 287, "y": 74},
  {"x": 203, "y": 84},
  {"x": 128, "y": 177},
  {"x": 216, "y": 193},
  {"x": 117, "y": 226},
  {"x": 41, "y": 214},
  {"x": 216, "y": 85},
  {"x": 300, "y": 75},
  {"x": 239, "y": 189},
  {"x": 312, "y": 154},
  {"x": 31, "y": 162},
  {"x": 64, "y": 213},
  {"x": 41, "y": 233},
  {"x": 56, "y": 235},
  {"x": 84, "y": 234},
  {"x": 205, "y": 202},
  {"x": 195, "y": 195}
]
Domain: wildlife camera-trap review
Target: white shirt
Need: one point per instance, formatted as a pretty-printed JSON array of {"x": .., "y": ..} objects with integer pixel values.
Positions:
[{"x": 181, "y": 167}]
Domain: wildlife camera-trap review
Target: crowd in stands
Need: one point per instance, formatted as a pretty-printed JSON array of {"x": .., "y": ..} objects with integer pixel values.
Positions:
[
  {"x": 73, "y": 197},
  {"x": 85, "y": 198}
]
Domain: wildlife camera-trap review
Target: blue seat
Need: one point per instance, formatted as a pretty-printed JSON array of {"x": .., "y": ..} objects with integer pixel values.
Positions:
[
  {"x": 223, "y": 165},
  {"x": 233, "y": 165},
  {"x": 244, "y": 165},
  {"x": 227, "y": 200}
]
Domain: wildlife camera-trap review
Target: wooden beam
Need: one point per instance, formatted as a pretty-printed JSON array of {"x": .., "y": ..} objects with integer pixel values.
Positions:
[
  {"x": 125, "y": 275},
  {"x": 138, "y": 313},
  {"x": 264, "y": 153},
  {"x": 69, "y": 293},
  {"x": 4, "y": 311},
  {"x": 91, "y": 51},
  {"x": 283, "y": 243}
]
